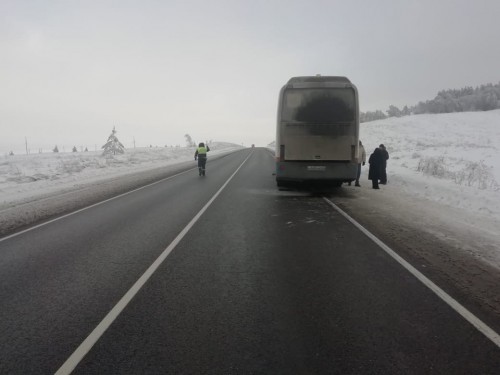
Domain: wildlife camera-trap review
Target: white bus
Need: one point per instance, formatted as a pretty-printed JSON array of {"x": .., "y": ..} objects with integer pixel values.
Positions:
[{"x": 317, "y": 133}]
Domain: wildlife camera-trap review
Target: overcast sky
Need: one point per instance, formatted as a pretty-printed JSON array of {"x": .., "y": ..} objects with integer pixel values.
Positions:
[{"x": 71, "y": 70}]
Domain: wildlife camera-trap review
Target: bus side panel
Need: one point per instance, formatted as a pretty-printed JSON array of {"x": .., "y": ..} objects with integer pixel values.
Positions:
[{"x": 278, "y": 144}]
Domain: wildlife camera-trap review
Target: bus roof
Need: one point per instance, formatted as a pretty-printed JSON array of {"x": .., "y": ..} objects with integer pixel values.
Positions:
[{"x": 337, "y": 79}]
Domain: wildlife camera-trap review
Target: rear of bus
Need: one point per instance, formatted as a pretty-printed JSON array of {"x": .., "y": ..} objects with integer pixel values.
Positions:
[{"x": 317, "y": 131}]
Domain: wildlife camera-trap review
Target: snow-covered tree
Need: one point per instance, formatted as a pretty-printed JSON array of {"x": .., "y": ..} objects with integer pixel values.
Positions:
[
  {"x": 55, "y": 149},
  {"x": 393, "y": 111},
  {"x": 74, "y": 149},
  {"x": 113, "y": 145},
  {"x": 467, "y": 99},
  {"x": 189, "y": 141},
  {"x": 371, "y": 116}
]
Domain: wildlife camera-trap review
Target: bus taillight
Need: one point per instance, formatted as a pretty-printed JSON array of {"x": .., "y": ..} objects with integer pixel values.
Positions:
[{"x": 282, "y": 152}]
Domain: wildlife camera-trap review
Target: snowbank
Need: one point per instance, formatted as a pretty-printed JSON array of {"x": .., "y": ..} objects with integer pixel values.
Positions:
[
  {"x": 25, "y": 178},
  {"x": 453, "y": 158}
]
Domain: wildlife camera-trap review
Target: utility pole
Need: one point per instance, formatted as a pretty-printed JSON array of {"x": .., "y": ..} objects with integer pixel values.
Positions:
[
  {"x": 26, "y": 142},
  {"x": 134, "y": 141}
]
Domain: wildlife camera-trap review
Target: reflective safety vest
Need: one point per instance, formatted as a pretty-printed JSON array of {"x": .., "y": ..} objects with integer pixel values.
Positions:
[{"x": 202, "y": 150}]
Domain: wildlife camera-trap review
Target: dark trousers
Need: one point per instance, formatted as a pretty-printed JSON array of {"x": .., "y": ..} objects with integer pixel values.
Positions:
[
  {"x": 383, "y": 175},
  {"x": 375, "y": 183},
  {"x": 201, "y": 163},
  {"x": 359, "y": 173}
]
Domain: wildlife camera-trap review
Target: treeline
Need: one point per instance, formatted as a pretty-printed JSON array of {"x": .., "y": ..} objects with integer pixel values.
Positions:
[{"x": 468, "y": 99}]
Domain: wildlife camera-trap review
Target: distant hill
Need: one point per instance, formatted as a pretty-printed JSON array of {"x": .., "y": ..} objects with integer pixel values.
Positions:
[
  {"x": 220, "y": 145},
  {"x": 467, "y": 99}
]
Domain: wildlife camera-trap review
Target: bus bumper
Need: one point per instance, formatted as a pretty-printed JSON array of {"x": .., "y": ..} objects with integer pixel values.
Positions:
[{"x": 292, "y": 173}]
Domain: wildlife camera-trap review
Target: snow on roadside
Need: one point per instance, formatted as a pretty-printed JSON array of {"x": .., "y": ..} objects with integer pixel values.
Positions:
[
  {"x": 26, "y": 177},
  {"x": 453, "y": 158},
  {"x": 444, "y": 170}
]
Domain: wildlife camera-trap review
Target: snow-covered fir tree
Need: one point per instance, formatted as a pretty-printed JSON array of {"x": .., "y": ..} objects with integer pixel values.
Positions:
[{"x": 113, "y": 146}]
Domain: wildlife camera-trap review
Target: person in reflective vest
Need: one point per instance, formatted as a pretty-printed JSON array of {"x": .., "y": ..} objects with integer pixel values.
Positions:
[{"x": 201, "y": 156}]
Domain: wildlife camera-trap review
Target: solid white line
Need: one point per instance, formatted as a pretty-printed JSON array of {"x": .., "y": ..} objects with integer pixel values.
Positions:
[
  {"x": 94, "y": 336},
  {"x": 97, "y": 204},
  {"x": 93, "y": 205},
  {"x": 471, "y": 318}
]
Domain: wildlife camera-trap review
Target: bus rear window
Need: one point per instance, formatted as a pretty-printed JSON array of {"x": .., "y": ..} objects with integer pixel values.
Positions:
[{"x": 323, "y": 106}]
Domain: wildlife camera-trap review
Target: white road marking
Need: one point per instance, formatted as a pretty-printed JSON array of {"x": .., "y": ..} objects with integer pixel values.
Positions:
[
  {"x": 466, "y": 314},
  {"x": 96, "y": 334},
  {"x": 94, "y": 205}
]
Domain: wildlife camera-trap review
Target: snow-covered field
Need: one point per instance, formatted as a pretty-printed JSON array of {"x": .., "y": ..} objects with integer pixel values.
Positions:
[
  {"x": 443, "y": 175},
  {"x": 452, "y": 158},
  {"x": 23, "y": 178}
]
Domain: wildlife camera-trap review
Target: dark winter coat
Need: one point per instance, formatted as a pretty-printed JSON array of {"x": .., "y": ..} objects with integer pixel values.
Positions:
[
  {"x": 377, "y": 161},
  {"x": 383, "y": 172},
  {"x": 386, "y": 157}
]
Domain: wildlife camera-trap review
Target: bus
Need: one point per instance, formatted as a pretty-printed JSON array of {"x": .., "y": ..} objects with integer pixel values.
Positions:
[{"x": 317, "y": 133}]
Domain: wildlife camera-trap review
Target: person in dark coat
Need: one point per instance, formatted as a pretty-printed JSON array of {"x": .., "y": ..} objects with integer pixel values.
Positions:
[
  {"x": 383, "y": 169},
  {"x": 376, "y": 162}
]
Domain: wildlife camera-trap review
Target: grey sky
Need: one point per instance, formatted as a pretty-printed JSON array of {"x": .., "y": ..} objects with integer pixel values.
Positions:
[{"x": 71, "y": 70}]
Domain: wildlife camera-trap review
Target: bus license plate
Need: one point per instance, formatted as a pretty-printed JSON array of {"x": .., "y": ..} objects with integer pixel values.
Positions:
[{"x": 316, "y": 168}]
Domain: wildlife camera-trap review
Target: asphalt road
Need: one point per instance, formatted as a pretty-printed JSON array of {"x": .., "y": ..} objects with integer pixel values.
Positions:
[{"x": 264, "y": 281}]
